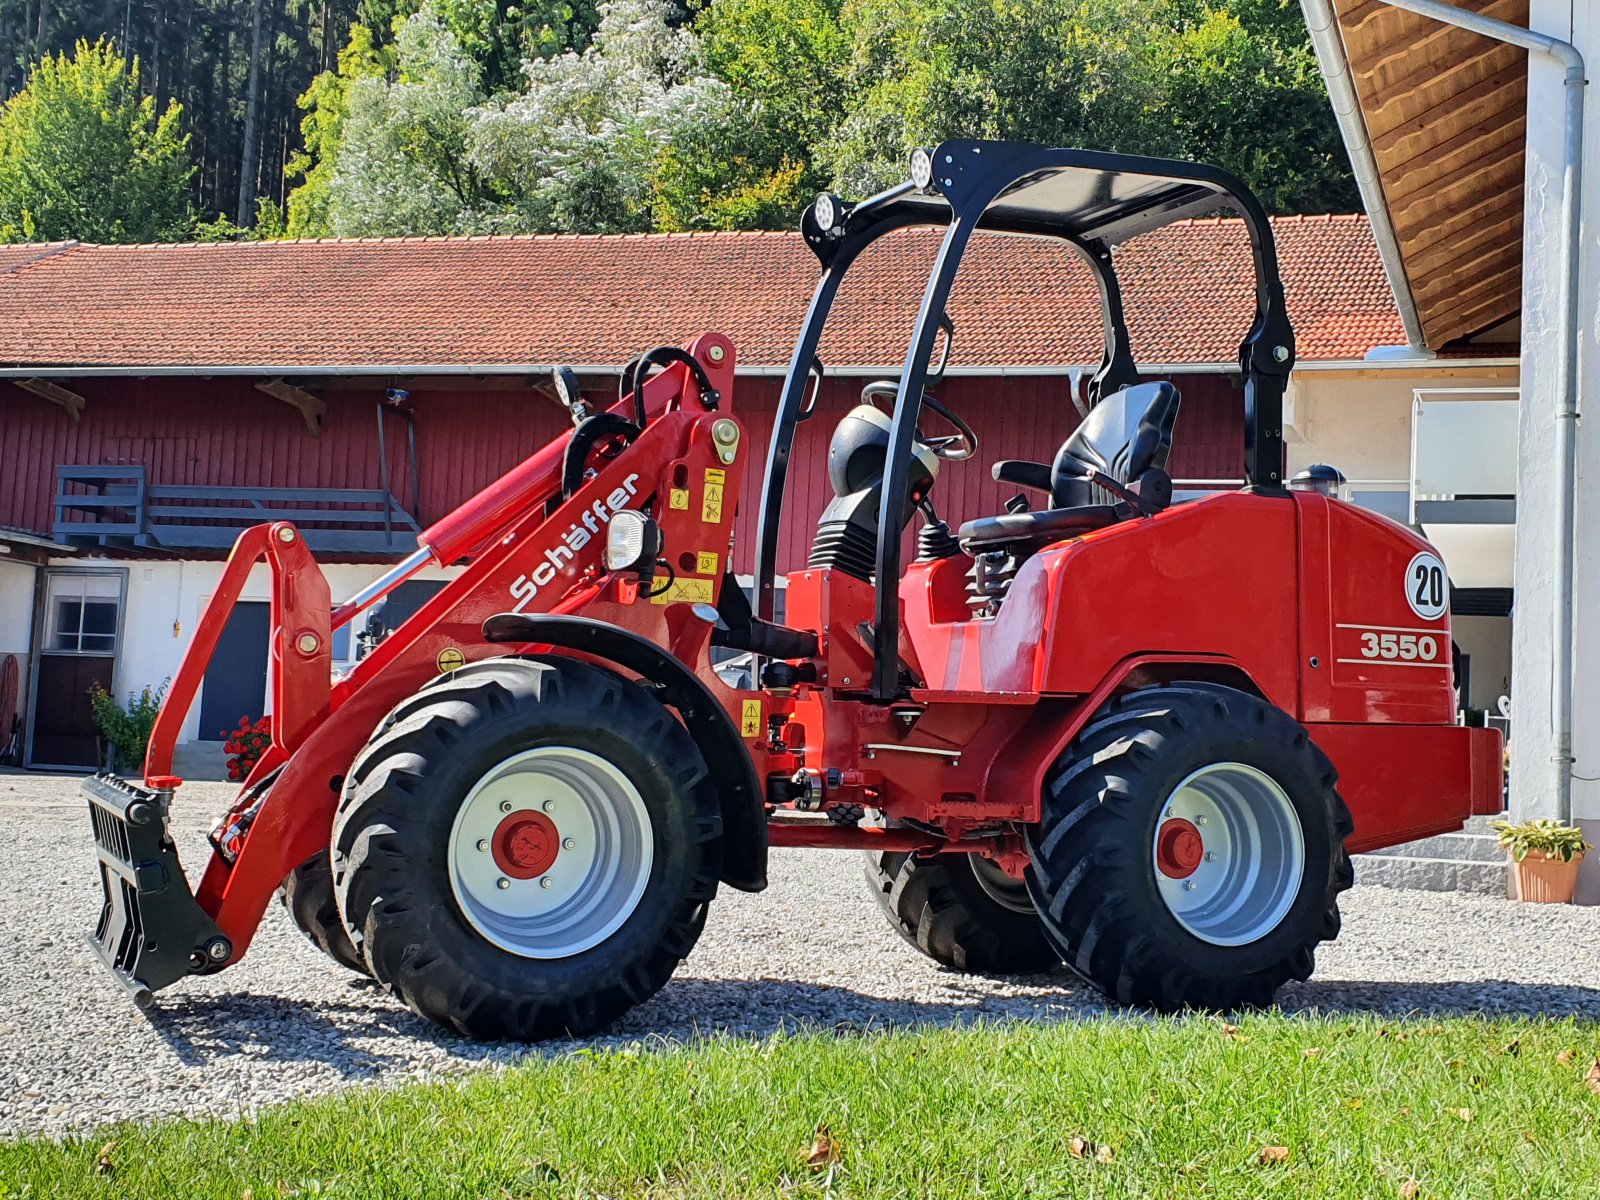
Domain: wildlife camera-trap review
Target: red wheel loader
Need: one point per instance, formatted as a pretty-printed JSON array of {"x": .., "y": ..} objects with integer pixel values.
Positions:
[{"x": 1134, "y": 734}]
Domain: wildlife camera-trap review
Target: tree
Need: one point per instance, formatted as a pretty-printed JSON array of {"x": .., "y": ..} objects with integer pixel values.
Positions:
[
  {"x": 84, "y": 155},
  {"x": 783, "y": 62},
  {"x": 326, "y": 103},
  {"x": 403, "y": 165},
  {"x": 1231, "y": 81},
  {"x": 576, "y": 149}
]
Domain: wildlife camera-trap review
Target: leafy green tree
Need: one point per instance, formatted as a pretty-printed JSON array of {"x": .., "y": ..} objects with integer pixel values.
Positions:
[
  {"x": 84, "y": 155},
  {"x": 403, "y": 164},
  {"x": 500, "y": 35},
  {"x": 326, "y": 103},
  {"x": 1244, "y": 90},
  {"x": 783, "y": 62},
  {"x": 1232, "y": 82}
]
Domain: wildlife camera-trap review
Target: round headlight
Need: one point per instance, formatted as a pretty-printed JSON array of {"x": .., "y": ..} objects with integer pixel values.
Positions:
[
  {"x": 921, "y": 168},
  {"x": 825, "y": 211}
]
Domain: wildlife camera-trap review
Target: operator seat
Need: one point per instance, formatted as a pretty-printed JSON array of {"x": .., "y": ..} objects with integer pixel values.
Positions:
[{"x": 1126, "y": 437}]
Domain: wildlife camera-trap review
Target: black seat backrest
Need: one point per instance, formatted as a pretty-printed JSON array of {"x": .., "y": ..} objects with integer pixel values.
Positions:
[{"x": 1123, "y": 436}]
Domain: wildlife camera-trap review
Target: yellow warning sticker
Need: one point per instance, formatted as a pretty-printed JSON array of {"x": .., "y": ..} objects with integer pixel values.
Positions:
[
  {"x": 705, "y": 562},
  {"x": 450, "y": 658},
  {"x": 678, "y": 498},
  {"x": 711, "y": 502},
  {"x": 685, "y": 591},
  {"x": 750, "y": 719}
]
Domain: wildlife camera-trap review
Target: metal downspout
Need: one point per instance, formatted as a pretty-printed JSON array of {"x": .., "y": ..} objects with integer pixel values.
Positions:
[
  {"x": 1322, "y": 24},
  {"x": 1567, "y": 56}
]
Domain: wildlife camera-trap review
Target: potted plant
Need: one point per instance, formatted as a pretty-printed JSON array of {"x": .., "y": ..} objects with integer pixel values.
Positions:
[
  {"x": 247, "y": 744},
  {"x": 1545, "y": 855},
  {"x": 126, "y": 727}
]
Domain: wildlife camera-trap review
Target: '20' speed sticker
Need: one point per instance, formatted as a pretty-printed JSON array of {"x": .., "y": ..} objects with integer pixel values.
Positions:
[{"x": 1427, "y": 589}]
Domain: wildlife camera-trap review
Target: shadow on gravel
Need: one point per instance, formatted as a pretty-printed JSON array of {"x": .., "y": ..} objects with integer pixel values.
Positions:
[
  {"x": 1480, "y": 997},
  {"x": 362, "y": 1040},
  {"x": 352, "y": 1038}
]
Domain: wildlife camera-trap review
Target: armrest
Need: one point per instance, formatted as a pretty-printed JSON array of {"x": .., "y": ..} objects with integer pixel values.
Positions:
[{"x": 1022, "y": 474}]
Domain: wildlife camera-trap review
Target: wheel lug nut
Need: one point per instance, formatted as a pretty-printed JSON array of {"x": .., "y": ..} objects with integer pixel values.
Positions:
[
  {"x": 502, "y": 883},
  {"x": 505, "y": 806},
  {"x": 483, "y": 846},
  {"x": 567, "y": 843},
  {"x": 1211, "y": 856},
  {"x": 1199, "y": 820},
  {"x": 1188, "y": 885},
  {"x": 549, "y": 806},
  {"x": 547, "y": 883}
]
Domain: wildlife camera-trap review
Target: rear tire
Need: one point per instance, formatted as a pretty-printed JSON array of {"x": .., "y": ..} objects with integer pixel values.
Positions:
[
  {"x": 942, "y": 907},
  {"x": 307, "y": 893},
  {"x": 594, "y": 905},
  {"x": 1115, "y": 852}
]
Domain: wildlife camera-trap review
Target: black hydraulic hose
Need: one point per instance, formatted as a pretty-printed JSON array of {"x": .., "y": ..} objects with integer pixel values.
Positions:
[{"x": 635, "y": 373}]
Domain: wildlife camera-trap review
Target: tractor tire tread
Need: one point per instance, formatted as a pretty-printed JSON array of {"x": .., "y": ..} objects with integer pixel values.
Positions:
[
  {"x": 1093, "y": 838},
  {"x": 952, "y": 921},
  {"x": 382, "y": 812}
]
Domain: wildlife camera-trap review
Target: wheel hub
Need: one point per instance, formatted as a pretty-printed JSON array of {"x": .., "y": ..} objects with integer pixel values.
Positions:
[
  {"x": 1229, "y": 854},
  {"x": 1179, "y": 848},
  {"x": 550, "y": 852},
  {"x": 525, "y": 844}
]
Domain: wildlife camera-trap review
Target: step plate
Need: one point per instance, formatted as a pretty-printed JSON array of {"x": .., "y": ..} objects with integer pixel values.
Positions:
[{"x": 151, "y": 931}]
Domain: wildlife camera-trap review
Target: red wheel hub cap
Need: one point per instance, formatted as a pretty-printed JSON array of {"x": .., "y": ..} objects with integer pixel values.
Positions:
[
  {"x": 1179, "y": 848},
  {"x": 525, "y": 844}
]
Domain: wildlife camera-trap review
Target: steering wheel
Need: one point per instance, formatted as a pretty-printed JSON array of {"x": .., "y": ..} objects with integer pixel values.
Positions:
[{"x": 956, "y": 447}]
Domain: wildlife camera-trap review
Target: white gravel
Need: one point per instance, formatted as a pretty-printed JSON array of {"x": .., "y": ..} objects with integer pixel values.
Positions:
[{"x": 813, "y": 949}]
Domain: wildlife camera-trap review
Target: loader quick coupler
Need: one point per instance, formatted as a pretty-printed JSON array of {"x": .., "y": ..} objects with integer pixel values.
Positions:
[{"x": 152, "y": 931}]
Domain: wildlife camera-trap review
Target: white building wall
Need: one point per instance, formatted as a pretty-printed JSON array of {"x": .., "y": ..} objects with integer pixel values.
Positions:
[
  {"x": 164, "y": 604},
  {"x": 1534, "y": 771},
  {"x": 16, "y": 607},
  {"x": 1360, "y": 420}
]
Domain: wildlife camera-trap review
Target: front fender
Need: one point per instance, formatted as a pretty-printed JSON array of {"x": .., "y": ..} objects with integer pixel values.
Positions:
[{"x": 744, "y": 814}]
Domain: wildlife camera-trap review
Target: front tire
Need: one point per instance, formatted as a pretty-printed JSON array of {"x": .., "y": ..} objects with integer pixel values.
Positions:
[
  {"x": 1190, "y": 852},
  {"x": 527, "y": 848},
  {"x": 307, "y": 894}
]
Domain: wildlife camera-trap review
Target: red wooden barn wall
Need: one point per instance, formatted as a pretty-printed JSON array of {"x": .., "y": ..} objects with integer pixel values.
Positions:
[{"x": 222, "y": 432}]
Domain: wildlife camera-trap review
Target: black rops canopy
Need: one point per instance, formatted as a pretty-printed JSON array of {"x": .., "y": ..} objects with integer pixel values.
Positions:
[{"x": 1093, "y": 200}]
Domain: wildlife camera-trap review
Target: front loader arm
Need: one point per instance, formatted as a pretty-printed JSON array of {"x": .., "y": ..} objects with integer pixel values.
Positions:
[
  {"x": 524, "y": 546},
  {"x": 300, "y": 652}
]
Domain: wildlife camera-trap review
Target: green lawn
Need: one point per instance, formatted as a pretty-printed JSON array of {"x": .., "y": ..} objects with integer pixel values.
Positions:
[{"x": 1349, "y": 1107}]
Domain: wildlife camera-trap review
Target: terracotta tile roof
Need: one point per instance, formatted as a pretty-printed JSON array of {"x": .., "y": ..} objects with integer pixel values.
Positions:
[
  {"x": 318, "y": 306},
  {"x": 20, "y": 254}
]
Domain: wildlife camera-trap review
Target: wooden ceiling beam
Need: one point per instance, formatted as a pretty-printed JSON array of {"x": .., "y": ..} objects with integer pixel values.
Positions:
[
  {"x": 1456, "y": 282},
  {"x": 64, "y": 398},
  {"x": 1403, "y": 75},
  {"x": 1448, "y": 257},
  {"x": 1499, "y": 293},
  {"x": 1442, "y": 236},
  {"x": 1494, "y": 146},
  {"x": 1503, "y": 92},
  {"x": 312, "y": 409}
]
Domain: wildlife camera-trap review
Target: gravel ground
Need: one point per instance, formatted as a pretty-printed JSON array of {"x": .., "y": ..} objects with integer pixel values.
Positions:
[{"x": 813, "y": 949}]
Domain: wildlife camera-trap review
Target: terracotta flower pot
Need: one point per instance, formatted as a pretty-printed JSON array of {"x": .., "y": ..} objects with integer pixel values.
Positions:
[{"x": 1542, "y": 880}]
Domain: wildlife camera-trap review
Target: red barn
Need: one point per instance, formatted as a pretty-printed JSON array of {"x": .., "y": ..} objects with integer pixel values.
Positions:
[{"x": 154, "y": 400}]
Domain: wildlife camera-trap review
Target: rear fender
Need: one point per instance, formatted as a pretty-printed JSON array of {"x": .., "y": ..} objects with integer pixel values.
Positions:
[
  {"x": 1057, "y": 722},
  {"x": 744, "y": 815}
]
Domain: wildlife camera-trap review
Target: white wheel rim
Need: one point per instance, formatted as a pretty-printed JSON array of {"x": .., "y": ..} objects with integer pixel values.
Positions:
[
  {"x": 550, "y": 852},
  {"x": 1250, "y": 862}
]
